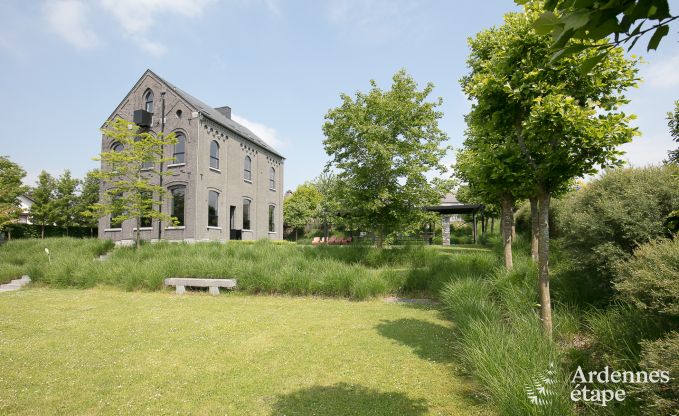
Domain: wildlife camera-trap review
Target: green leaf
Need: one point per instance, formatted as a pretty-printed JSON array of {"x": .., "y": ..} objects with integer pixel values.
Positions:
[
  {"x": 545, "y": 23},
  {"x": 571, "y": 50},
  {"x": 659, "y": 33},
  {"x": 591, "y": 62},
  {"x": 575, "y": 20}
]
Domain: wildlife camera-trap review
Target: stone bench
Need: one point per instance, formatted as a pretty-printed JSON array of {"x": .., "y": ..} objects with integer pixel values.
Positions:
[{"x": 180, "y": 284}]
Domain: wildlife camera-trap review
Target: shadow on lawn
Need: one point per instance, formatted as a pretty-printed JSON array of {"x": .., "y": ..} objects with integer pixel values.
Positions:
[
  {"x": 345, "y": 399},
  {"x": 429, "y": 341}
]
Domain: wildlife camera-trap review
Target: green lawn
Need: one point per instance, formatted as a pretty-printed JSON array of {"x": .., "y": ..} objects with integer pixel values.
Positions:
[{"x": 100, "y": 351}]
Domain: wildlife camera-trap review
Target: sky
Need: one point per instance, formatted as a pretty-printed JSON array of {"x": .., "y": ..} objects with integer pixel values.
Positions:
[{"x": 280, "y": 65}]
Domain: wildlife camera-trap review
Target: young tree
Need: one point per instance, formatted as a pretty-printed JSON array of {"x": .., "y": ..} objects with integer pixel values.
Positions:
[
  {"x": 383, "y": 143},
  {"x": 11, "y": 188},
  {"x": 89, "y": 196},
  {"x": 300, "y": 208},
  {"x": 129, "y": 176},
  {"x": 42, "y": 211},
  {"x": 64, "y": 205},
  {"x": 560, "y": 123},
  {"x": 329, "y": 207}
]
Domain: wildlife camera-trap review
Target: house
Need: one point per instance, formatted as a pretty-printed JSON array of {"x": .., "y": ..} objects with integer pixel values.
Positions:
[
  {"x": 26, "y": 204},
  {"x": 225, "y": 183}
]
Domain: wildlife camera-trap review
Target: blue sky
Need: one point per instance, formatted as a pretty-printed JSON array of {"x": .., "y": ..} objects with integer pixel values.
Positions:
[{"x": 280, "y": 65}]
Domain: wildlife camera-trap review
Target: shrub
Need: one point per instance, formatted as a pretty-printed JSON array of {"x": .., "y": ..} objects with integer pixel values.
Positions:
[
  {"x": 662, "y": 354},
  {"x": 618, "y": 332},
  {"x": 602, "y": 223},
  {"x": 650, "y": 279}
]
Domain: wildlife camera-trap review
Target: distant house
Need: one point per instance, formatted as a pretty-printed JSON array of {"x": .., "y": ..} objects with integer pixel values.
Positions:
[
  {"x": 226, "y": 183},
  {"x": 26, "y": 204}
]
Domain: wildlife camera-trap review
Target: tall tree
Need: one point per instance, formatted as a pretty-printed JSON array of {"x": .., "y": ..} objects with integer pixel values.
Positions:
[
  {"x": 65, "y": 205},
  {"x": 129, "y": 176},
  {"x": 11, "y": 188},
  {"x": 42, "y": 211},
  {"x": 300, "y": 208},
  {"x": 382, "y": 144},
  {"x": 89, "y": 196},
  {"x": 559, "y": 123}
]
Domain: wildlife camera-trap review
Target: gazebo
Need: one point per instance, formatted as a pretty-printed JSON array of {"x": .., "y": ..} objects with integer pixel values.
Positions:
[{"x": 450, "y": 207}]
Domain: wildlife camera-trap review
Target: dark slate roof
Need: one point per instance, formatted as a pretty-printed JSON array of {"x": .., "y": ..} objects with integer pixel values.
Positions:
[{"x": 220, "y": 118}]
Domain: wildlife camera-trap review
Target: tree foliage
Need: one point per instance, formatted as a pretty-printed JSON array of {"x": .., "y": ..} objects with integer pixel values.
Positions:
[
  {"x": 300, "y": 208},
  {"x": 65, "y": 203},
  {"x": 11, "y": 187},
  {"x": 42, "y": 211},
  {"x": 130, "y": 176},
  {"x": 89, "y": 197},
  {"x": 673, "y": 124},
  {"x": 383, "y": 143},
  {"x": 572, "y": 23}
]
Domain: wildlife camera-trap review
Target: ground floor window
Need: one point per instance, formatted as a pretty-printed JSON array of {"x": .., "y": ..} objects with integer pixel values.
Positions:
[
  {"x": 177, "y": 206},
  {"x": 272, "y": 216},
  {"x": 246, "y": 214},
  {"x": 213, "y": 209}
]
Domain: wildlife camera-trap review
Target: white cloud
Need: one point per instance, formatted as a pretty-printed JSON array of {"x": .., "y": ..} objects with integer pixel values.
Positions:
[
  {"x": 137, "y": 17},
  {"x": 69, "y": 19},
  {"x": 266, "y": 133},
  {"x": 664, "y": 74}
]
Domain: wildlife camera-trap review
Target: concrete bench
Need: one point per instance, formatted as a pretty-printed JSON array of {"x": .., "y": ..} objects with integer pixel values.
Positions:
[{"x": 180, "y": 284}]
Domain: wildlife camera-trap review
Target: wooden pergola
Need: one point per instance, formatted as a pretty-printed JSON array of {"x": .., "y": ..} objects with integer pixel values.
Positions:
[{"x": 449, "y": 207}]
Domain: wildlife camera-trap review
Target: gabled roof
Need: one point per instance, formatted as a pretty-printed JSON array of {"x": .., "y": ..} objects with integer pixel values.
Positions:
[{"x": 213, "y": 114}]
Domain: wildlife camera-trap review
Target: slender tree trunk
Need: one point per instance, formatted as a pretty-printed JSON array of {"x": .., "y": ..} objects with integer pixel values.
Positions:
[
  {"x": 507, "y": 224},
  {"x": 295, "y": 234},
  {"x": 543, "y": 264},
  {"x": 380, "y": 237},
  {"x": 492, "y": 225},
  {"x": 535, "y": 225},
  {"x": 66, "y": 231},
  {"x": 42, "y": 231}
]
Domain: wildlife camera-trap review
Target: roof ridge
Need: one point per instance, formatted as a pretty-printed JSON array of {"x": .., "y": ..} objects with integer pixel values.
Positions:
[{"x": 216, "y": 116}]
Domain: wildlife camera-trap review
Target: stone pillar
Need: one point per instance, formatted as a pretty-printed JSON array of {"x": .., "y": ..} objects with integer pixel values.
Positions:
[{"x": 445, "y": 226}]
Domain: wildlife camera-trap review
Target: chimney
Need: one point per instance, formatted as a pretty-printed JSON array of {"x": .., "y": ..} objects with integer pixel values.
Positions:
[{"x": 226, "y": 111}]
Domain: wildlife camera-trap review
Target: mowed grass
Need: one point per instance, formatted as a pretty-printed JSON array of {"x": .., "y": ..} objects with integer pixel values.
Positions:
[
  {"x": 356, "y": 272},
  {"x": 102, "y": 351}
]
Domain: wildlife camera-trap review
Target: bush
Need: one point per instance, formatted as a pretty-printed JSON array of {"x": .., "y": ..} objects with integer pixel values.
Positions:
[
  {"x": 662, "y": 354},
  {"x": 650, "y": 278},
  {"x": 602, "y": 223},
  {"x": 618, "y": 332}
]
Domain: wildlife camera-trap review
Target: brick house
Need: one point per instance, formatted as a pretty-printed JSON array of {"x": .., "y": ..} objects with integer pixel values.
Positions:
[{"x": 226, "y": 183}]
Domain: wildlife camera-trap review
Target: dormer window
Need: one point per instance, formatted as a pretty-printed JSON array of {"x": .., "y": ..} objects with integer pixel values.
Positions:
[{"x": 148, "y": 101}]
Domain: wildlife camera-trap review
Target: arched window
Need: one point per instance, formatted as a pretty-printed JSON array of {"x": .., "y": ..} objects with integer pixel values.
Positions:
[
  {"x": 246, "y": 213},
  {"x": 179, "y": 149},
  {"x": 214, "y": 155},
  {"x": 213, "y": 209},
  {"x": 148, "y": 101},
  {"x": 272, "y": 179},
  {"x": 177, "y": 208},
  {"x": 117, "y": 147},
  {"x": 272, "y": 218},
  {"x": 247, "y": 169}
]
